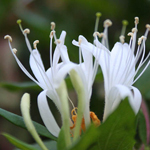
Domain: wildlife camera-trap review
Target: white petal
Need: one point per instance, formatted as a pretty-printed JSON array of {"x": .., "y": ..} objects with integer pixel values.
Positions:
[
  {"x": 137, "y": 99},
  {"x": 61, "y": 74},
  {"x": 56, "y": 57},
  {"x": 87, "y": 55},
  {"x": 121, "y": 64},
  {"x": 47, "y": 115},
  {"x": 116, "y": 94},
  {"x": 62, "y": 37},
  {"x": 38, "y": 69}
]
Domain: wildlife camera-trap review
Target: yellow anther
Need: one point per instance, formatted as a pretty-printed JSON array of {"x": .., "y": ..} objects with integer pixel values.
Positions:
[
  {"x": 53, "y": 25},
  {"x": 96, "y": 34},
  {"x": 74, "y": 116},
  {"x": 14, "y": 50},
  {"x": 107, "y": 23},
  {"x": 122, "y": 38},
  {"x": 136, "y": 20},
  {"x": 51, "y": 34},
  {"x": 101, "y": 35},
  {"x": 26, "y": 31},
  {"x": 35, "y": 43},
  {"x": 58, "y": 41},
  {"x": 125, "y": 22},
  {"x": 98, "y": 14},
  {"x": 8, "y": 37},
  {"x": 95, "y": 119},
  {"x": 148, "y": 26},
  {"x": 134, "y": 30},
  {"x": 80, "y": 41},
  {"x": 140, "y": 39},
  {"x": 130, "y": 34},
  {"x": 19, "y": 21}
]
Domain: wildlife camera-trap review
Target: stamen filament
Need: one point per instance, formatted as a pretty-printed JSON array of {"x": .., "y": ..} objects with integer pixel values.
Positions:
[{"x": 98, "y": 15}]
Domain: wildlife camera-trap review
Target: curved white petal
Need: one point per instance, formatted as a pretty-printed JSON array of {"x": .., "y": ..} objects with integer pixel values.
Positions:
[
  {"x": 38, "y": 69},
  {"x": 88, "y": 92},
  {"x": 116, "y": 94},
  {"x": 47, "y": 115},
  {"x": 62, "y": 72},
  {"x": 56, "y": 57},
  {"x": 137, "y": 99},
  {"x": 62, "y": 37},
  {"x": 122, "y": 66}
]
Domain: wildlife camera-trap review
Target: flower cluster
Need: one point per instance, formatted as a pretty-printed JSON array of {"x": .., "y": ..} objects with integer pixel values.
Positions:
[{"x": 119, "y": 67}]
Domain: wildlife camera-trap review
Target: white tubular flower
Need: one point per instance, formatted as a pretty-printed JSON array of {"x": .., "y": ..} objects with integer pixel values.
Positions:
[
  {"x": 50, "y": 81},
  {"x": 119, "y": 67},
  {"x": 87, "y": 71}
]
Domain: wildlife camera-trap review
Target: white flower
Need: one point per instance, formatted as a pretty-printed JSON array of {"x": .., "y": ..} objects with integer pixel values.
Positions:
[
  {"x": 51, "y": 80},
  {"x": 119, "y": 67},
  {"x": 87, "y": 72}
]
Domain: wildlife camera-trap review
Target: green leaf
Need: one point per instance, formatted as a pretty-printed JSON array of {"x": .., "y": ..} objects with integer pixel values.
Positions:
[
  {"x": 51, "y": 145},
  {"x": 116, "y": 133},
  {"x": 19, "y": 86},
  {"x": 142, "y": 127},
  {"x": 18, "y": 121},
  {"x": 61, "y": 144},
  {"x": 19, "y": 144}
]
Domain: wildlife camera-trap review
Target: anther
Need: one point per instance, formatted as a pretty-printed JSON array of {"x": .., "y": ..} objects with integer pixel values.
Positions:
[
  {"x": 130, "y": 34},
  {"x": 80, "y": 41},
  {"x": 122, "y": 37},
  {"x": 134, "y": 30},
  {"x": 35, "y": 43},
  {"x": 101, "y": 35},
  {"x": 14, "y": 50},
  {"x": 140, "y": 39},
  {"x": 51, "y": 34},
  {"x": 8, "y": 37},
  {"x": 53, "y": 25},
  {"x": 148, "y": 26},
  {"x": 125, "y": 22},
  {"x": 98, "y": 14},
  {"x": 58, "y": 41},
  {"x": 19, "y": 21},
  {"x": 26, "y": 31},
  {"x": 107, "y": 23},
  {"x": 136, "y": 20},
  {"x": 96, "y": 34}
]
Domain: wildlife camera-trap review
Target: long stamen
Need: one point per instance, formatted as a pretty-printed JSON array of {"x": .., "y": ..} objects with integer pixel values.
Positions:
[
  {"x": 40, "y": 68},
  {"x": 19, "y": 63},
  {"x": 57, "y": 41},
  {"x": 134, "y": 30},
  {"x": 98, "y": 15},
  {"x": 107, "y": 23},
  {"x": 142, "y": 46},
  {"x": 122, "y": 36},
  {"x": 95, "y": 68}
]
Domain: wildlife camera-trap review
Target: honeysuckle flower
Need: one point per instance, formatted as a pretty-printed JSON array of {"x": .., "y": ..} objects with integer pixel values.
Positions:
[
  {"x": 119, "y": 67},
  {"x": 51, "y": 81},
  {"x": 53, "y": 85}
]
